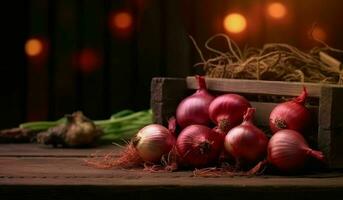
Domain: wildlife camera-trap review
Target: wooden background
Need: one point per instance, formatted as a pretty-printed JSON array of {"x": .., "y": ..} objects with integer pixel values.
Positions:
[{"x": 157, "y": 45}]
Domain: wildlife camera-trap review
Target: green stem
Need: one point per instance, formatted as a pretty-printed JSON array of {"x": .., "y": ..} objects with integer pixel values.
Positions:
[
  {"x": 122, "y": 135},
  {"x": 121, "y": 124},
  {"x": 104, "y": 123},
  {"x": 122, "y": 114},
  {"x": 122, "y": 129},
  {"x": 39, "y": 125}
]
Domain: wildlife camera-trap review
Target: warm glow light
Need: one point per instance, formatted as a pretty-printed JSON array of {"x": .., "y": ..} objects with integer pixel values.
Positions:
[
  {"x": 33, "y": 47},
  {"x": 235, "y": 23},
  {"x": 88, "y": 60},
  {"x": 319, "y": 34},
  {"x": 122, "y": 20},
  {"x": 277, "y": 10}
]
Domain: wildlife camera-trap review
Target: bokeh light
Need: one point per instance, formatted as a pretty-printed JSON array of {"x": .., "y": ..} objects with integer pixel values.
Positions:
[
  {"x": 319, "y": 33},
  {"x": 88, "y": 60},
  {"x": 122, "y": 20},
  {"x": 277, "y": 10},
  {"x": 235, "y": 23},
  {"x": 33, "y": 47}
]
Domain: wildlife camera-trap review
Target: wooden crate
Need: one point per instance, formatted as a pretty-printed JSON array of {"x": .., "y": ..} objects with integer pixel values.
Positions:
[{"x": 166, "y": 93}]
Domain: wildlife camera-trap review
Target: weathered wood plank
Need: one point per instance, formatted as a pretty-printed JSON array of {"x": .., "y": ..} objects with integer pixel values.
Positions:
[
  {"x": 331, "y": 108},
  {"x": 40, "y": 177},
  {"x": 166, "y": 93},
  {"x": 259, "y": 87},
  {"x": 34, "y": 150},
  {"x": 330, "y": 136},
  {"x": 73, "y": 171},
  {"x": 167, "y": 89}
]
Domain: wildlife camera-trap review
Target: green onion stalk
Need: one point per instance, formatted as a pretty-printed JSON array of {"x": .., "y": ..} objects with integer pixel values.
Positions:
[{"x": 121, "y": 125}]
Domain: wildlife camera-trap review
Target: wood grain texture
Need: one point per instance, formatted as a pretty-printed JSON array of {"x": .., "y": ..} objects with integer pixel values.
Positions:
[
  {"x": 44, "y": 177},
  {"x": 166, "y": 94},
  {"x": 330, "y": 135},
  {"x": 167, "y": 89},
  {"x": 259, "y": 87},
  {"x": 73, "y": 171},
  {"x": 34, "y": 150}
]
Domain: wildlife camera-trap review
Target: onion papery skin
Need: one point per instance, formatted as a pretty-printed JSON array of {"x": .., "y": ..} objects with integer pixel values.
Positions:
[
  {"x": 194, "y": 109},
  {"x": 291, "y": 115},
  {"x": 288, "y": 151},
  {"x": 227, "y": 111},
  {"x": 153, "y": 141},
  {"x": 199, "y": 146},
  {"x": 246, "y": 143}
]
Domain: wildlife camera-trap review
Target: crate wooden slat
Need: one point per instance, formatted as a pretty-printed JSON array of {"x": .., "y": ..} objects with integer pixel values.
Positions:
[
  {"x": 258, "y": 87},
  {"x": 166, "y": 93}
]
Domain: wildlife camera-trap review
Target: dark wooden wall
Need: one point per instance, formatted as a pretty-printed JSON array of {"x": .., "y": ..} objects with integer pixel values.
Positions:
[{"x": 157, "y": 45}]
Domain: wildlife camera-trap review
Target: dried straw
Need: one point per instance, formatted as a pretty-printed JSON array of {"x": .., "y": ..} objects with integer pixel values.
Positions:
[{"x": 275, "y": 61}]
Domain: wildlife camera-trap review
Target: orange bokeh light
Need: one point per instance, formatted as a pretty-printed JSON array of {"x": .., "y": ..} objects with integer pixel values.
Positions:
[
  {"x": 277, "y": 10},
  {"x": 33, "y": 47},
  {"x": 235, "y": 23},
  {"x": 319, "y": 33},
  {"x": 122, "y": 20}
]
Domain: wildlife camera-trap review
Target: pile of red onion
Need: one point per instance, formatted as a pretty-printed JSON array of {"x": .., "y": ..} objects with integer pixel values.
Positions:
[
  {"x": 288, "y": 150},
  {"x": 212, "y": 127}
]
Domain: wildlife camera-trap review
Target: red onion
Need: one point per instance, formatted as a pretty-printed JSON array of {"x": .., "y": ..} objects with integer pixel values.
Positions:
[
  {"x": 288, "y": 151},
  {"x": 198, "y": 146},
  {"x": 153, "y": 141},
  {"x": 246, "y": 143},
  {"x": 194, "y": 109},
  {"x": 291, "y": 115},
  {"x": 149, "y": 145},
  {"x": 227, "y": 110}
]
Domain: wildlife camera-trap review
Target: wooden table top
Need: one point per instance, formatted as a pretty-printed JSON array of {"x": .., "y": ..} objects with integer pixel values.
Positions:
[{"x": 28, "y": 170}]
